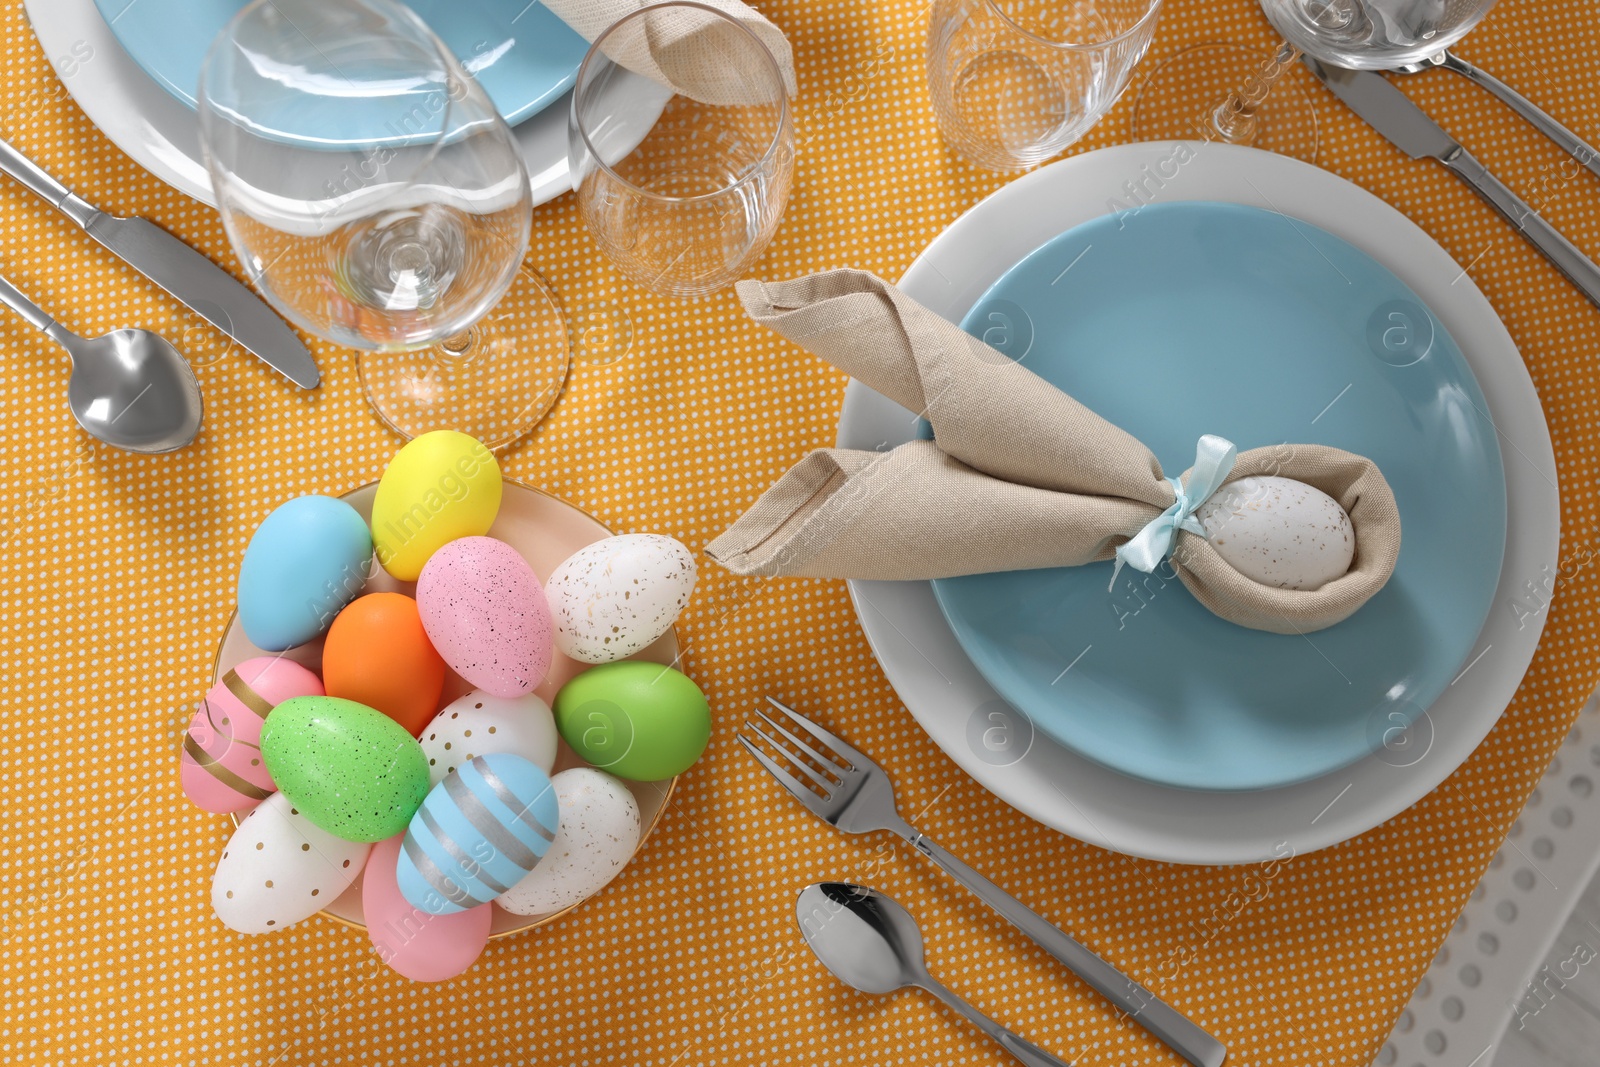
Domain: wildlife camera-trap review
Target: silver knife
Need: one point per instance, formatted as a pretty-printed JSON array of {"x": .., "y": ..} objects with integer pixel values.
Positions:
[
  {"x": 202, "y": 286},
  {"x": 1408, "y": 127}
]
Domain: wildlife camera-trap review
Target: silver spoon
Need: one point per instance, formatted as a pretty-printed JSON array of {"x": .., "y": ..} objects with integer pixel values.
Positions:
[
  {"x": 1568, "y": 141},
  {"x": 871, "y": 943},
  {"x": 130, "y": 388}
]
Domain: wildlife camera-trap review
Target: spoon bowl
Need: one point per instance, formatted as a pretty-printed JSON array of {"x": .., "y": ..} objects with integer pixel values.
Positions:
[
  {"x": 130, "y": 388},
  {"x": 865, "y": 939},
  {"x": 133, "y": 390},
  {"x": 870, "y": 943}
]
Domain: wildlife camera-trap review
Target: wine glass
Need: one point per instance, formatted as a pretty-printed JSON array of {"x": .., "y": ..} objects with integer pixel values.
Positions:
[
  {"x": 688, "y": 207},
  {"x": 378, "y": 200},
  {"x": 1228, "y": 93},
  {"x": 1016, "y": 81}
]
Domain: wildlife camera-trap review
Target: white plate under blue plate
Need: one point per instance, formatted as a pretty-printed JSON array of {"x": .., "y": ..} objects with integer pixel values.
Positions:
[
  {"x": 949, "y": 699},
  {"x": 1194, "y": 318},
  {"x": 524, "y": 57},
  {"x": 163, "y": 136}
]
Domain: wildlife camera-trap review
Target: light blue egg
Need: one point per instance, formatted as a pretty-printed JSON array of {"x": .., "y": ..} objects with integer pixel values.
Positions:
[
  {"x": 478, "y": 833},
  {"x": 305, "y": 562}
]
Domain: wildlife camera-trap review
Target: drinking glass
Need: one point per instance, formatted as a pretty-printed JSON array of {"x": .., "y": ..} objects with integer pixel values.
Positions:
[
  {"x": 1016, "y": 81},
  {"x": 378, "y": 200},
  {"x": 1228, "y": 93},
  {"x": 690, "y": 207}
]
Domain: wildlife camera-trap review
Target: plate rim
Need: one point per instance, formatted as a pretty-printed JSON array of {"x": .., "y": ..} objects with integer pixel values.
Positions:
[
  {"x": 1188, "y": 826},
  {"x": 161, "y": 135},
  {"x": 524, "y": 111},
  {"x": 984, "y": 660}
]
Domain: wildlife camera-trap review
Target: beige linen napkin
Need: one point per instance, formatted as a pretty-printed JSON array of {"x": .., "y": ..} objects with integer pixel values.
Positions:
[
  {"x": 1021, "y": 475},
  {"x": 683, "y": 47}
]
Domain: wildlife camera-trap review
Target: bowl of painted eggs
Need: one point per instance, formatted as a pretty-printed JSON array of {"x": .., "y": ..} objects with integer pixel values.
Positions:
[{"x": 446, "y": 709}]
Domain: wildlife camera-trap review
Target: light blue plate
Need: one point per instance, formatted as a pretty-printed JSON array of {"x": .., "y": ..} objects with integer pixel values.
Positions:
[
  {"x": 1191, "y": 318},
  {"x": 524, "y": 57}
]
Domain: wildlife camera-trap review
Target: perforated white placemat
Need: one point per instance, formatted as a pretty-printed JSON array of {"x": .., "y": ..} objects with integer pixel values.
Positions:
[{"x": 1484, "y": 976}]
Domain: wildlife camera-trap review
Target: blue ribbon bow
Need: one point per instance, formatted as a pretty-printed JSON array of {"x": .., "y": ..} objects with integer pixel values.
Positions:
[{"x": 1213, "y": 459}]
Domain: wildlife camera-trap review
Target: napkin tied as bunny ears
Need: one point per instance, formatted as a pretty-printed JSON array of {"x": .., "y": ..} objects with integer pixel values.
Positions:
[{"x": 1019, "y": 476}]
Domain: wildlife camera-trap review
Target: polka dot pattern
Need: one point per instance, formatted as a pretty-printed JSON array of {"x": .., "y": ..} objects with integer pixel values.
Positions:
[{"x": 116, "y": 580}]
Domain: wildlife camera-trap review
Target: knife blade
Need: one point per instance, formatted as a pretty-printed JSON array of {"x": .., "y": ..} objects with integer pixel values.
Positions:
[
  {"x": 1405, "y": 125},
  {"x": 201, "y": 285}
]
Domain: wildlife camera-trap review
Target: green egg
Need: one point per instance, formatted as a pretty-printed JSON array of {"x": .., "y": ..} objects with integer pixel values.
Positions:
[
  {"x": 636, "y": 720},
  {"x": 350, "y": 769}
]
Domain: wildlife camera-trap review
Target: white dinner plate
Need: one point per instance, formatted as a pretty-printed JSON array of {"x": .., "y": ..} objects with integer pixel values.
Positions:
[
  {"x": 163, "y": 135},
  {"x": 996, "y": 745}
]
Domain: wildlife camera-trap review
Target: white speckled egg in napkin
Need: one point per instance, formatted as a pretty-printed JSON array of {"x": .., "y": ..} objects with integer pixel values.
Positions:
[
  {"x": 598, "y": 832},
  {"x": 1279, "y": 531},
  {"x": 278, "y": 868},
  {"x": 616, "y": 596}
]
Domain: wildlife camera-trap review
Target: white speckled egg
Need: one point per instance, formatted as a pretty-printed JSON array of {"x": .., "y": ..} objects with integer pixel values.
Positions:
[
  {"x": 1279, "y": 531},
  {"x": 616, "y": 596},
  {"x": 598, "y": 832},
  {"x": 278, "y": 868},
  {"x": 478, "y": 724}
]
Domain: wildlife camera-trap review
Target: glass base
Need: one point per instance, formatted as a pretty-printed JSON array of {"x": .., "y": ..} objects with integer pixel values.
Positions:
[
  {"x": 495, "y": 381},
  {"x": 1198, "y": 93}
]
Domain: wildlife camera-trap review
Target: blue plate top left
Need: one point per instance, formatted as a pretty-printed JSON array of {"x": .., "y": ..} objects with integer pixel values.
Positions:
[{"x": 524, "y": 57}]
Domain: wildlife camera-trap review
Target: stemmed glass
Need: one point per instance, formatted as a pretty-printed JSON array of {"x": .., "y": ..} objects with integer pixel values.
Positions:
[
  {"x": 378, "y": 200},
  {"x": 1227, "y": 93}
]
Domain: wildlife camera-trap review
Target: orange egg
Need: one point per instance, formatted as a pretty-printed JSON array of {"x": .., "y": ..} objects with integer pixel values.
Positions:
[{"x": 377, "y": 654}]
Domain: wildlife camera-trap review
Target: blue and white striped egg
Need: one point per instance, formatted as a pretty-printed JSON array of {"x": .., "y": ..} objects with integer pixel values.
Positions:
[{"x": 478, "y": 833}]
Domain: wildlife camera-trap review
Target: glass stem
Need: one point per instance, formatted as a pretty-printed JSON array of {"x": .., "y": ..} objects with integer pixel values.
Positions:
[
  {"x": 458, "y": 344},
  {"x": 1237, "y": 119}
]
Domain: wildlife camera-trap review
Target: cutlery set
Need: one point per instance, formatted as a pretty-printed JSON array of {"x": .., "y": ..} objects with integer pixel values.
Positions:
[
  {"x": 132, "y": 389},
  {"x": 1405, "y": 125},
  {"x": 845, "y": 789},
  {"x": 1568, "y": 141}
]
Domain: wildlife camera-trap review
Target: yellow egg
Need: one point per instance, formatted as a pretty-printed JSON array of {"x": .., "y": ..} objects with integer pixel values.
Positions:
[{"x": 441, "y": 486}]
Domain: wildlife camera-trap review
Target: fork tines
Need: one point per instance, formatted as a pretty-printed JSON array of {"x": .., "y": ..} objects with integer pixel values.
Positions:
[{"x": 816, "y": 764}]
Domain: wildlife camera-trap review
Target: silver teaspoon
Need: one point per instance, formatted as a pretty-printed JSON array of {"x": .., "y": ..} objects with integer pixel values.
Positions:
[
  {"x": 870, "y": 943},
  {"x": 130, "y": 388}
]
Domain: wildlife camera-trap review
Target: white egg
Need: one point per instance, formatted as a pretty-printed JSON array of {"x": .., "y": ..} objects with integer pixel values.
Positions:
[
  {"x": 278, "y": 869},
  {"x": 595, "y": 839},
  {"x": 1279, "y": 531},
  {"x": 615, "y": 597},
  {"x": 478, "y": 724}
]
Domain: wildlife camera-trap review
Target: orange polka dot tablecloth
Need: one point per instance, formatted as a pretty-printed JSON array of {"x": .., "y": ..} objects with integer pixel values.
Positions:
[{"x": 116, "y": 580}]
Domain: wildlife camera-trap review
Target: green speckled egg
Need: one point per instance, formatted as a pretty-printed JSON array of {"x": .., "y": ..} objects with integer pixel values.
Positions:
[
  {"x": 637, "y": 720},
  {"x": 350, "y": 769}
]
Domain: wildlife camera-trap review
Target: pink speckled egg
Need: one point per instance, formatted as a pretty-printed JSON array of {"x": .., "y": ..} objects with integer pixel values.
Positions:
[
  {"x": 485, "y": 613},
  {"x": 419, "y": 946},
  {"x": 222, "y": 769}
]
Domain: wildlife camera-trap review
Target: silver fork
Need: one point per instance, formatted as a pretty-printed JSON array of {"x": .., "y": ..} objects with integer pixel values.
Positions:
[{"x": 855, "y": 795}]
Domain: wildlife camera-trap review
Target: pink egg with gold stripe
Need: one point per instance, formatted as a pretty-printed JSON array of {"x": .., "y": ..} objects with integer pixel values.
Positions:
[{"x": 222, "y": 768}]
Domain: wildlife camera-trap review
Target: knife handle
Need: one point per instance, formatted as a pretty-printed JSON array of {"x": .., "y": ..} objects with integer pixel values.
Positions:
[
  {"x": 1567, "y": 257},
  {"x": 41, "y": 183}
]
